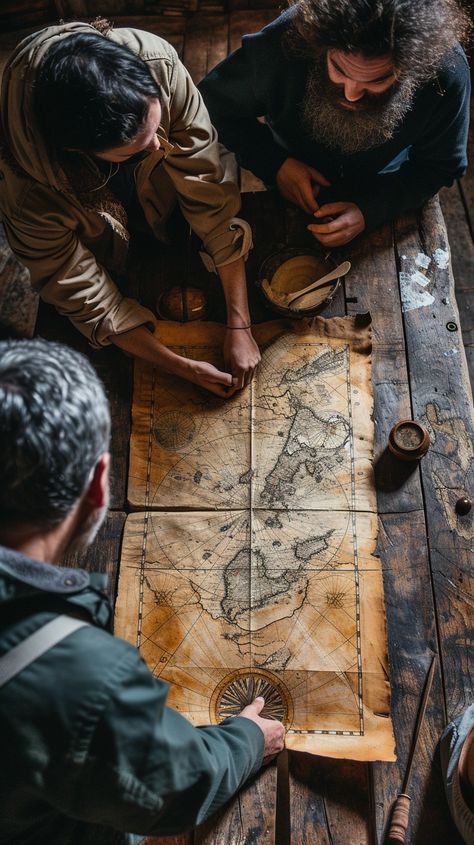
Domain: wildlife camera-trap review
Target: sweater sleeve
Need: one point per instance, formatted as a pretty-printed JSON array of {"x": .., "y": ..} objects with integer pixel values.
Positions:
[
  {"x": 234, "y": 93},
  {"x": 148, "y": 770},
  {"x": 436, "y": 158}
]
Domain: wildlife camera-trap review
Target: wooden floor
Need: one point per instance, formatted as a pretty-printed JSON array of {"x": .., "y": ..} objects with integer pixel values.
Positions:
[{"x": 428, "y": 590}]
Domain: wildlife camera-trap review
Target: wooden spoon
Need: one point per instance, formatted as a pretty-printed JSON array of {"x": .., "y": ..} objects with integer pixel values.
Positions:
[{"x": 339, "y": 271}]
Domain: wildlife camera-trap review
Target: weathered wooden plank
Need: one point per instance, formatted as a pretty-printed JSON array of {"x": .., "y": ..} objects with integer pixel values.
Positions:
[
  {"x": 442, "y": 399},
  {"x": 329, "y": 801},
  {"x": 251, "y": 20},
  {"x": 372, "y": 285},
  {"x": 249, "y": 819},
  {"x": 252, "y": 5},
  {"x": 465, "y": 303},
  {"x": 104, "y": 553},
  {"x": 205, "y": 44},
  {"x": 459, "y": 237},
  {"x": 462, "y": 256},
  {"x": 412, "y": 640},
  {"x": 308, "y": 816},
  {"x": 347, "y": 801},
  {"x": 469, "y": 350},
  {"x": 373, "y": 281},
  {"x": 184, "y": 839}
]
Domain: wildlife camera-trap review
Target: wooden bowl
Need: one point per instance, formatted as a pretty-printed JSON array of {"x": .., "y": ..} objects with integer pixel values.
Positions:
[
  {"x": 291, "y": 269},
  {"x": 182, "y": 304}
]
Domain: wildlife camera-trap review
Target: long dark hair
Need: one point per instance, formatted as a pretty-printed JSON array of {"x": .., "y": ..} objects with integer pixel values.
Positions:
[
  {"x": 416, "y": 33},
  {"x": 91, "y": 94}
]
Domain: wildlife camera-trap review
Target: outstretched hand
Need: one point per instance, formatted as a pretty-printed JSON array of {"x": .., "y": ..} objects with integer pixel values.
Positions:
[
  {"x": 348, "y": 222},
  {"x": 207, "y": 376},
  {"x": 273, "y": 731},
  {"x": 241, "y": 355},
  {"x": 300, "y": 183}
]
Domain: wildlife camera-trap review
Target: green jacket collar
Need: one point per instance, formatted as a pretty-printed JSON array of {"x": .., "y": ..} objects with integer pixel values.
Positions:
[{"x": 23, "y": 577}]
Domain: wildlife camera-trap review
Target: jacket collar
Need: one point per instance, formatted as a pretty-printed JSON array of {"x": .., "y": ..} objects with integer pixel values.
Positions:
[{"x": 22, "y": 577}]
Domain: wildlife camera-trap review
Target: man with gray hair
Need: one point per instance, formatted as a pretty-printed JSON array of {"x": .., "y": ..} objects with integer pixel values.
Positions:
[{"x": 90, "y": 752}]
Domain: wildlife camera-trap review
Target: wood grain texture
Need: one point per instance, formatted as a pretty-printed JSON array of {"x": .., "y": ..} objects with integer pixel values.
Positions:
[
  {"x": 308, "y": 815},
  {"x": 373, "y": 283},
  {"x": 462, "y": 256},
  {"x": 249, "y": 819},
  {"x": 411, "y": 621},
  {"x": 246, "y": 21},
  {"x": 183, "y": 839},
  {"x": 330, "y": 801},
  {"x": 205, "y": 44},
  {"x": 442, "y": 400}
]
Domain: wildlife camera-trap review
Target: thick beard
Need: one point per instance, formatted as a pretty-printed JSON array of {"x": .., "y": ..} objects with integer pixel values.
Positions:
[
  {"x": 87, "y": 531},
  {"x": 370, "y": 124}
]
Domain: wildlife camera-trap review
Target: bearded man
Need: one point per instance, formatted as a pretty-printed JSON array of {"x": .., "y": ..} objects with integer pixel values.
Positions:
[
  {"x": 356, "y": 110},
  {"x": 90, "y": 751}
]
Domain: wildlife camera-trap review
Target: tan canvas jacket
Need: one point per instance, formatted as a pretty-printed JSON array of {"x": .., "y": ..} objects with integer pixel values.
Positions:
[{"x": 70, "y": 232}]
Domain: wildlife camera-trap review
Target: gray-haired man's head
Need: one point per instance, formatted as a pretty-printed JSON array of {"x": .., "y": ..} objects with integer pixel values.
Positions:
[{"x": 54, "y": 427}]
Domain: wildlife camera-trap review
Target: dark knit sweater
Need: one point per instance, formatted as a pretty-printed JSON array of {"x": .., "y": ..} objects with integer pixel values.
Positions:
[{"x": 262, "y": 79}]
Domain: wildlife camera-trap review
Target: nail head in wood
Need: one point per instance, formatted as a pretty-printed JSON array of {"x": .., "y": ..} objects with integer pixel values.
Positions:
[{"x": 463, "y": 506}]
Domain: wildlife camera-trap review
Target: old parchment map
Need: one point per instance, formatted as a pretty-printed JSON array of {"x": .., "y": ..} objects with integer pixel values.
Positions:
[{"x": 249, "y": 567}]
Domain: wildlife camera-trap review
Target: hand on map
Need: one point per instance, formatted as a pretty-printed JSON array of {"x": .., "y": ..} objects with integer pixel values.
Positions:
[
  {"x": 348, "y": 222},
  {"x": 209, "y": 377},
  {"x": 241, "y": 356},
  {"x": 299, "y": 183},
  {"x": 273, "y": 731}
]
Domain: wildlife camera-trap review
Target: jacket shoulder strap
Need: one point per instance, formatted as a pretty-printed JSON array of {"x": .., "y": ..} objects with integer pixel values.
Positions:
[{"x": 21, "y": 655}]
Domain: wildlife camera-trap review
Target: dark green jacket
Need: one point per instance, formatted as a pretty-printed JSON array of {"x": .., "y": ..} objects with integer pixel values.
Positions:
[{"x": 89, "y": 749}]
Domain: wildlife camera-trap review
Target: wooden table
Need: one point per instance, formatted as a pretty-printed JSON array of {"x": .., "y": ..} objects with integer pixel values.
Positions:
[{"x": 419, "y": 371}]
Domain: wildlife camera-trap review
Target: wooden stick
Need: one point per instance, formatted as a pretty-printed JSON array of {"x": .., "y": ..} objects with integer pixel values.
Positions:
[{"x": 401, "y": 810}]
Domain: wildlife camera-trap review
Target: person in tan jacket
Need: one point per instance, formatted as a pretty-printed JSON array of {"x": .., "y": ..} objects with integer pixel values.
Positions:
[{"x": 101, "y": 127}]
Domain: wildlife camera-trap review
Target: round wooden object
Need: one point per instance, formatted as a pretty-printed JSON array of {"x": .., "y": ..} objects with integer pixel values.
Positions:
[
  {"x": 409, "y": 440},
  {"x": 182, "y": 304},
  {"x": 286, "y": 272},
  {"x": 296, "y": 273}
]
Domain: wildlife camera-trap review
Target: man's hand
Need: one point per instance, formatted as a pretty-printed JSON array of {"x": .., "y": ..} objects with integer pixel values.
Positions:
[
  {"x": 347, "y": 224},
  {"x": 145, "y": 345},
  {"x": 241, "y": 355},
  {"x": 209, "y": 377},
  {"x": 300, "y": 183},
  {"x": 273, "y": 731}
]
